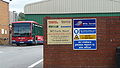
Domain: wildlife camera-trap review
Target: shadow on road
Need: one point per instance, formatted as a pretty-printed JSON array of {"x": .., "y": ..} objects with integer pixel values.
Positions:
[{"x": 13, "y": 45}]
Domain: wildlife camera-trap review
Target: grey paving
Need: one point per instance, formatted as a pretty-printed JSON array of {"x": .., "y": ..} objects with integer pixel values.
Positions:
[{"x": 20, "y": 56}]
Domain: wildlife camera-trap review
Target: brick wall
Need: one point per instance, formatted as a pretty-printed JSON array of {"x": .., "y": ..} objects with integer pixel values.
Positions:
[
  {"x": 4, "y": 22},
  {"x": 108, "y": 38}
]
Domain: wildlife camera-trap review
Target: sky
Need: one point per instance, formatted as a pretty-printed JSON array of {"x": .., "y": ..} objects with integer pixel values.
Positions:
[{"x": 18, "y": 5}]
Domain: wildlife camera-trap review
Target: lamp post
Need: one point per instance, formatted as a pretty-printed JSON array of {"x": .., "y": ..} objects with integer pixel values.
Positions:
[{"x": 10, "y": 31}]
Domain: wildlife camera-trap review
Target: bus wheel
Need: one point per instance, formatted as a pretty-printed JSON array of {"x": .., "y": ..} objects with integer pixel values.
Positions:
[
  {"x": 18, "y": 44},
  {"x": 29, "y": 44}
]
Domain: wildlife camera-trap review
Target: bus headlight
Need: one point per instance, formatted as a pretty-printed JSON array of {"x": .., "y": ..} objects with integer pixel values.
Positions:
[
  {"x": 13, "y": 40},
  {"x": 30, "y": 40}
]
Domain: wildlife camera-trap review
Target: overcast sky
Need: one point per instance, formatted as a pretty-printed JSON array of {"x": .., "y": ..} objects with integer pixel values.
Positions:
[{"x": 18, "y": 5}]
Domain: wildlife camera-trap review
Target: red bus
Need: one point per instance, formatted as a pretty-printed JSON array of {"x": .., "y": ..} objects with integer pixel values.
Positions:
[{"x": 27, "y": 32}]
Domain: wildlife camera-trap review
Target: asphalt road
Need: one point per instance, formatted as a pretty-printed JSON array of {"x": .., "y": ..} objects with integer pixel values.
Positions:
[{"x": 21, "y": 57}]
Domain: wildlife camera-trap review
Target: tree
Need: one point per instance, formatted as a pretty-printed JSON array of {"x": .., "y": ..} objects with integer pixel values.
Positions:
[{"x": 21, "y": 17}]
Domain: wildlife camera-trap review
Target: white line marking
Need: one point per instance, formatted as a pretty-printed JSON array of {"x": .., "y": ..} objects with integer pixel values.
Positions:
[
  {"x": 1, "y": 51},
  {"x": 33, "y": 65}
]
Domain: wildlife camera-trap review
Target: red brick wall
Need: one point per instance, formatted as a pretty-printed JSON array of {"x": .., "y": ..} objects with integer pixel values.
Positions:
[
  {"x": 4, "y": 22},
  {"x": 108, "y": 38}
]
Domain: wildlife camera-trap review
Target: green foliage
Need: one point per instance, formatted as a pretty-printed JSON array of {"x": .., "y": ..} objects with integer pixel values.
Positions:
[{"x": 21, "y": 17}]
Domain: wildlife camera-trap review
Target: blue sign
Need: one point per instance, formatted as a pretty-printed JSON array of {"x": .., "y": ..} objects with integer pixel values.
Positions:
[
  {"x": 85, "y": 45},
  {"x": 84, "y": 23},
  {"x": 87, "y": 31},
  {"x": 82, "y": 28}
]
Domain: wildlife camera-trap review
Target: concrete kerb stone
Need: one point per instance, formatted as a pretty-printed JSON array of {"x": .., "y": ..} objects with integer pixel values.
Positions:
[{"x": 2, "y": 46}]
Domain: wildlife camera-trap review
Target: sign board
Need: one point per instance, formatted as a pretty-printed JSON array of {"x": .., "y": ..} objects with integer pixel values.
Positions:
[
  {"x": 59, "y": 31},
  {"x": 84, "y": 34}
]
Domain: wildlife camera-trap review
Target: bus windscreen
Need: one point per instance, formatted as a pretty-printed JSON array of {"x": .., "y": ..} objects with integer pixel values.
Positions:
[{"x": 21, "y": 29}]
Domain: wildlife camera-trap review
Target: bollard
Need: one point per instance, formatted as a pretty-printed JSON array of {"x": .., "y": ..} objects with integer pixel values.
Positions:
[{"x": 118, "y": 57}]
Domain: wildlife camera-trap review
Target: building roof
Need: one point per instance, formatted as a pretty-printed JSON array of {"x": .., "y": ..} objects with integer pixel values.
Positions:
[
  {"x": 72, "y": 6},
  {"x": 4, "y": 1}
]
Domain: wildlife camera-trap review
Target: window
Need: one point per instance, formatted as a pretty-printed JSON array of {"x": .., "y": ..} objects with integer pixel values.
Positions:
[
  {"x": 2, "y": 31},
  {"x": 5, "y": 31}
]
